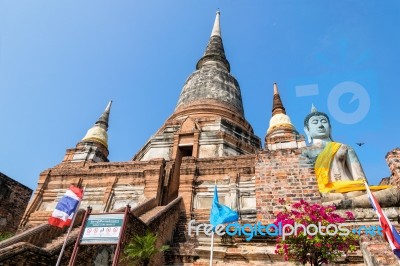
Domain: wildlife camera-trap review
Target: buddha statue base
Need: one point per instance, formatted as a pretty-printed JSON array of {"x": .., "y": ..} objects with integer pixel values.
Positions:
[{"x": 389, "y": 197}]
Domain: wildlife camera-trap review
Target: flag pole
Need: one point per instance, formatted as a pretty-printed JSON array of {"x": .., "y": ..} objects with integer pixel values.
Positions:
[
  {"x": 69, "y": 229},
  {"x": 386, "y": 236},
  {"x": 212, "y": 237},
  {"x": 212, "y": 249}
]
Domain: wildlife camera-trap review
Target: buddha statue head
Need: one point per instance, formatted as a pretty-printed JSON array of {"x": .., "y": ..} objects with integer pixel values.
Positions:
[{"x": 317, "y": 126}]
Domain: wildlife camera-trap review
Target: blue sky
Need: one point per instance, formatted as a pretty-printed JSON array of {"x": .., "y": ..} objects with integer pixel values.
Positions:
[{"x": 62, "y": 61}]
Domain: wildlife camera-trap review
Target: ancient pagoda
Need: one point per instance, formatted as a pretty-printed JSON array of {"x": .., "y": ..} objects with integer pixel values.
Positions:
[{"x": 170, "y": 180}]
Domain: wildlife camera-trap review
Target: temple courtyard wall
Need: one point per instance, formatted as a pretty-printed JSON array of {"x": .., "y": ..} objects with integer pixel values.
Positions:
[{"x": 14, "y": 198}]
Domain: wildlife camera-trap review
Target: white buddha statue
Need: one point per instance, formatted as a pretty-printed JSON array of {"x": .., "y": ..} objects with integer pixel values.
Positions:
[{"x": 338, "y": 171}]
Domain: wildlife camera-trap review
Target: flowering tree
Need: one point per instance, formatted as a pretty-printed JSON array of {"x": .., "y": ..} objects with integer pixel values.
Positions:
[{"x": 311, "y": 244}]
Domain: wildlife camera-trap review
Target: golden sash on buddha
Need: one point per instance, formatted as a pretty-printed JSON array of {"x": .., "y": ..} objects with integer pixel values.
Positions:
[{"x": 322, "y": 171}]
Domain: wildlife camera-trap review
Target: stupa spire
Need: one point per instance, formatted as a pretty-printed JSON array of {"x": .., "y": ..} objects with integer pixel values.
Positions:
[
  {"x": 98, "y": 133},
  {"x": 216, "y": 31},
  {"x": 215, "y": 53},
  {"x": 281, "y": 133},
  {"x": 277, "y": 105},
  {"x": 103, "y": 119}
]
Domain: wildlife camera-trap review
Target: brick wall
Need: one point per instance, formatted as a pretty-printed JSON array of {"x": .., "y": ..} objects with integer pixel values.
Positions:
[
  {"x": 14, "y": 198},
  {"x": 282, "y": 174},
  {"x": 393, "y": 161},
  {"x": 109, "y": 186}
]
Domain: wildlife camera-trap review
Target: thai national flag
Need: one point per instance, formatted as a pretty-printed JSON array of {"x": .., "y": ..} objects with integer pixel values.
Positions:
[
  {"x": 66, "y": 207},
  {"x": 390, "y": 233}
]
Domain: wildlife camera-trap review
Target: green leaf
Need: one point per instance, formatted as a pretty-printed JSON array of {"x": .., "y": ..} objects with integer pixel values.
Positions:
[{"x": 142, "y": 248}]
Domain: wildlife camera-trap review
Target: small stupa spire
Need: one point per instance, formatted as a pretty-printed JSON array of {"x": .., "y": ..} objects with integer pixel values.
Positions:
[
  {"x": 103, "y": 119},
  {"x": 277, "y": 105},
  {"x": 98, "y": 133},
  {"x": 216, "y": 31},
  {"x": 280, "y": 127}
]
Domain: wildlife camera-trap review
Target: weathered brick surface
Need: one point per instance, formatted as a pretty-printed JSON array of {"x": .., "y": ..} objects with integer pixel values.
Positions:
[
  {"x": 14, "y": 198},
  {"x": 109, "y": 186},
  {"x": 393, "y": 161},
  {"x": 282, "y": 175},
  {"x": 212, "y": 83},
  {"x": 376, "y": 251}
]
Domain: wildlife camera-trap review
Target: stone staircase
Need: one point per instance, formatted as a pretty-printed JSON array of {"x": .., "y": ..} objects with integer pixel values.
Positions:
[
  {"x": 146, "y": 217},
  {"x": 41, "y": 245},
  {"x": 54, "y": 243}
]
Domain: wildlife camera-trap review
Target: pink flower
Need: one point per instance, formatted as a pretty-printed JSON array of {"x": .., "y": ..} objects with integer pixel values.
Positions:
[
  {"x": 296, "y": 205},
  {"x": 307, "y": 213},
  {"x": 350, "y": 215}
]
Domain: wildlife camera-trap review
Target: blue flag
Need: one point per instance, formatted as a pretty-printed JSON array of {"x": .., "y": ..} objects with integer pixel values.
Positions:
[{"x": 220, "y": 213}]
